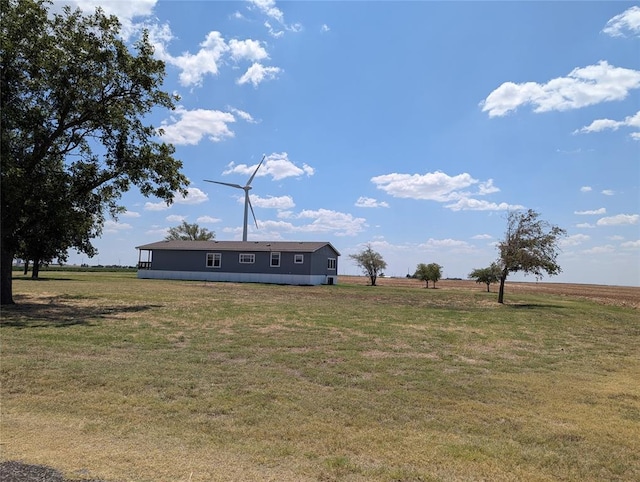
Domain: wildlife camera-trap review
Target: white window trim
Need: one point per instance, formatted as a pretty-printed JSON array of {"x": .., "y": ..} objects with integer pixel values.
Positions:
[
  {"x": 330, "y": 262},
  {"x": 250, "y": 256},
  {"x": 271, "y": 258},
  {"x": 213, "y": 257},
  {"x": 298, "y": 256}
]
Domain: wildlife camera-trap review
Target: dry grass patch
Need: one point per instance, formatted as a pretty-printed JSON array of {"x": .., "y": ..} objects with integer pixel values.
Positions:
[{"x": 124, "y": 379}]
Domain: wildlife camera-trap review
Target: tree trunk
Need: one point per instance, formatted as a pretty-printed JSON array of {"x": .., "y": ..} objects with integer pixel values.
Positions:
[
  {"x": 503, "y": 278},
  {"x": 6, "y": 276},
  {"x": 373, "y": 279},
  {"x": 26, "y": 267},
  {"x": 488, "y": 285},
  {"x": 35, "y": 271}
]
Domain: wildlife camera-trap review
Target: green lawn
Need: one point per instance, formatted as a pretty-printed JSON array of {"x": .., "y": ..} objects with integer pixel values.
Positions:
[{"x": 105, "y": 375}]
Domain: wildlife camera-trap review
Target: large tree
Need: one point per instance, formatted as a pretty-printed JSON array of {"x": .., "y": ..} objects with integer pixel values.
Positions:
[
  {"x": 73, "y": 98},
  {"x": 488, "y": 275},
  {"x": 371, "y": 263},
  {"x": 530, "y": 245},
  {"x": 189, "y": 232}
]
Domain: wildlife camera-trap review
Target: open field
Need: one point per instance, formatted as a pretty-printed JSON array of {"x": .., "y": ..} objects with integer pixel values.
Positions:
[
  {"x": 613, "y": 295},
  {"x": 107, "y": 376}
]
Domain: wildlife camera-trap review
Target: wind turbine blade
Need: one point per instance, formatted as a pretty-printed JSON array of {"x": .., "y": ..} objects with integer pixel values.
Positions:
[
  {"x": 254, "y": 172},
  {"x": 254, "y": 214},
  {"x": 225, "y": 184}
]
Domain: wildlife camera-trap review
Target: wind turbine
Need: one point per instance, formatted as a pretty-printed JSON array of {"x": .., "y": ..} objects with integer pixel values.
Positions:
[{"x": 247, "y": 202}]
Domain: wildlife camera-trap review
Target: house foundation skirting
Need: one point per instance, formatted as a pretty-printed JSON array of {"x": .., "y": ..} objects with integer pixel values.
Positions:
[{"x": 283, "y": 279}]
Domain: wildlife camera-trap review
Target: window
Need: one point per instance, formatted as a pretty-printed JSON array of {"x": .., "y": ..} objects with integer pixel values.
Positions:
[
  {"x": 247, "y": 258},
  {"x": 275, "y": 260},
  {"x": 214, "y": 260},
  {"x": 298, "y": 258},
  {"x": 332, "y": 263}
]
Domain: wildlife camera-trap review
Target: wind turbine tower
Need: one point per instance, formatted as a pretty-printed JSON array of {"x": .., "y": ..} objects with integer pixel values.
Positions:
[{"x": 247, "y": 202}]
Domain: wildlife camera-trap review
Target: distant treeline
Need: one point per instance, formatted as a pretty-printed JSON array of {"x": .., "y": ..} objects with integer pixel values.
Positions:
[{"x": 82, "y": 268}]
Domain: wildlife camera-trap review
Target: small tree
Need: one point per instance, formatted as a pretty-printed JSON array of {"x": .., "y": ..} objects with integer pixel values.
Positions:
[
  {"x": 530, "y": 245},
  {"x": 422, "y": 273},
  {"x": 428, "y": 272},
  {"x": 370, "y": 262},
  {"x": 189, "y": 232},
  {"x": 434, "y": 273},
  {"x": 486, "y": 275}
]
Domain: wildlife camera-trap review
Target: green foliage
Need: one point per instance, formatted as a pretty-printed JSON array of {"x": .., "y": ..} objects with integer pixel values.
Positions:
[
  {"x": 73, "y": 97},
  {"x": 428, "y": 272},
  {"x": 530, "y": 245},
  {"x": 371, "y": 263},
  {"x": 189, "y": 232},
  {"x": 487, "y": 275}
]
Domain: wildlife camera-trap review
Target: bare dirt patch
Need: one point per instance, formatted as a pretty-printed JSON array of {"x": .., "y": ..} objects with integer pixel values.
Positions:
[{"x": 609, "y": 295}]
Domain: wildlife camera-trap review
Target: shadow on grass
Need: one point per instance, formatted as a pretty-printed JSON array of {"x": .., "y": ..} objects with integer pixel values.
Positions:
[
  {"x": 530, "y": 306},
  {"x": 56, "y": 313},
  {"x": 41, "y": 280}
]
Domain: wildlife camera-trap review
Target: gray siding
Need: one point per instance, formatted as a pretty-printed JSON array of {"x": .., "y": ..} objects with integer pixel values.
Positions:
[
  {"x": 192, "y": 261},
  {"x": 188, "y": 260}
]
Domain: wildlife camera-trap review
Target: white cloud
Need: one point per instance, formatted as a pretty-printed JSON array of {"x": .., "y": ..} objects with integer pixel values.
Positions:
[
  {"x": 175, "y": 218},
  {"x": 585, "y": 226},
  {"x": 618, "y": 220},
  {"x": 258, "y": 73},
  {"x": 487, "y": 188},
  {"x": 320, "y": 221},
  {"x": 195, "y": 66},
  {"x": 247, "y": 50},
  {"x": 127, "y": 12},
  {"x": 433, "y": 186},
  {"x": 207, "y": 220},
  {"x": 440, "y": 187},
  {"x": 469, "y": 204},
  {"x": 600, "y": 250},
  {"x": 194, "y": 196},
  {"x": 451, "y": 244},
  {"x": 580, "y": 88},
  {"x": 130, "y": 214},
  {"x": 276, "y": 165},
  {"x": 482, "y": 236},
  {"x": 111, "y": 226},
  {"x": 268, "y": 7},
  {"x": 626, "y": 23},
  {"x": 608, "y": 192},
  {"x": 595, "y": 211},
  {"x": 245, "y": 116},
  {"x": 586, "y": 189},
  {"x": 193, "y": 125},
  {"x": 328, "y": 221},
  {"x": 325, "y": 28},
  {"x": 272, "y": 31},
  {"x": 159, "y": 206},
  {"x": 369, "y": 202},
  {"x": 608, "y": 124},
  {"x": 574, "y": 240},
  {"x": 631, "y": 244},
  {"x": 271, "y": 202},
  {"x": 211, "y": 56}
]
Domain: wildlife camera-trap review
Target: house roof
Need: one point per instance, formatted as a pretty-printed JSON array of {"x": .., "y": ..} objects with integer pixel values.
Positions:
[{"x": 251, "y": 246}]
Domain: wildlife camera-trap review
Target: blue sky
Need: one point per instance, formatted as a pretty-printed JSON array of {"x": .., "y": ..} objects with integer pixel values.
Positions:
[{"x": 411, "y": 126}]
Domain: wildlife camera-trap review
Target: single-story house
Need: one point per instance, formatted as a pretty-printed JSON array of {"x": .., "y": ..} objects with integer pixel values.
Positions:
[{"x": 278, "y": 262}]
